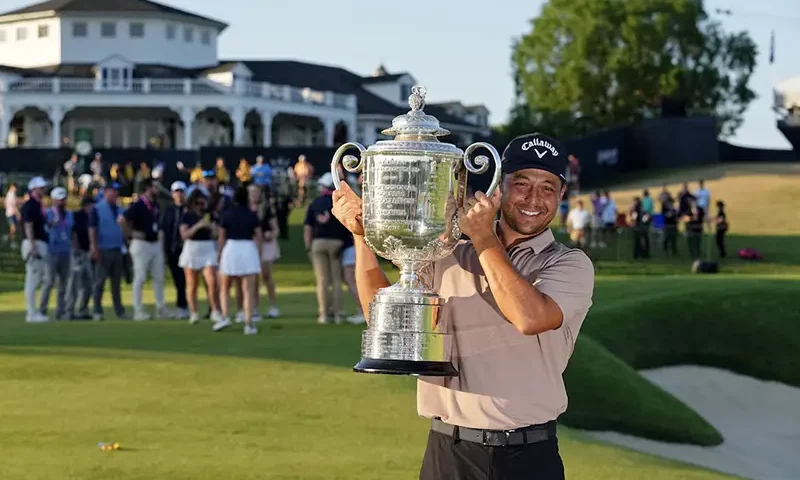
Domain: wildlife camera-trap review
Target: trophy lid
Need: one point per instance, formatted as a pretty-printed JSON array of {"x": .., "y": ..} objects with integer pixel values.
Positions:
[
  {"x": 416, "y": 121},
  {"x": 415, "y": 131}
]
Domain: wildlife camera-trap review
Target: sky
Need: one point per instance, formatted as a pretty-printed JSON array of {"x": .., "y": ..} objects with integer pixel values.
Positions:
[{"x": 463, "y": 53}]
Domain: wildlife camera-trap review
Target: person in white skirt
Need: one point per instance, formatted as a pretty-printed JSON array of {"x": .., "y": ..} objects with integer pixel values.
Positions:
[
  {"x": 239, "y": 242},
  {"x": 269, "y": 253},
  {"x": 199, "y": 255}
]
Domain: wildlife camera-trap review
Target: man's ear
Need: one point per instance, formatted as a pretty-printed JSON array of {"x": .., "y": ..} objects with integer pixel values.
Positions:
[{"x": 563, "y": 191}]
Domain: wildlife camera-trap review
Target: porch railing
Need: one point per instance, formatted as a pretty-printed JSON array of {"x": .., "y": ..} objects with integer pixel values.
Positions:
[{"x": 187, "y": 86}]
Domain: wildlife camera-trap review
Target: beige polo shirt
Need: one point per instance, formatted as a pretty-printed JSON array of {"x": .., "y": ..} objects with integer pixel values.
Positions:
[{"x": 506, "y": 379}]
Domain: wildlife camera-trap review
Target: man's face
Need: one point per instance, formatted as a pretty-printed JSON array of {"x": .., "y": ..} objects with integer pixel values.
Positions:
[
  {"x": 530, "y": 200},
  {"x": 111, "y": 195},
  {"x": 178, "y": 197}
]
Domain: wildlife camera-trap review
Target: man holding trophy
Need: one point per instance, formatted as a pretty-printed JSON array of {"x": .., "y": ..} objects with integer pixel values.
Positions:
[{"x": 487, "y": 324}]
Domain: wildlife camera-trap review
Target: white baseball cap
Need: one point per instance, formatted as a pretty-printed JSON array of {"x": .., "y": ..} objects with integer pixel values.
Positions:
[
  {"x": 58, "y": 193},
  {"x": 36, "y": 182},
  {"x": 326, "y": 180},
  {"x": 178, "y": 185}
]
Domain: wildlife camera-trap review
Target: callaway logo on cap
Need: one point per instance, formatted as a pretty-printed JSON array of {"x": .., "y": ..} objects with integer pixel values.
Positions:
[
  {"x": 541, "y": 147},
  {"x": 535, "y": 151}
]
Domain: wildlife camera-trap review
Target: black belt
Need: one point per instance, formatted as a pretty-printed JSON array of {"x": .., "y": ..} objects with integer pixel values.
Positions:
[{"x": 497, "y": 438}]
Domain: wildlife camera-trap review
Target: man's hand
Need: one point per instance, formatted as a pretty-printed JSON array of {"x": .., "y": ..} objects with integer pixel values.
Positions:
[
  {"x": 347, "y": 208},
  {"x": 476, "y": 220}
]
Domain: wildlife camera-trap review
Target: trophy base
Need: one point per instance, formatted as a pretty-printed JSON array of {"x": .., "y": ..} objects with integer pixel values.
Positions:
[{"x": 405, "y": 367}]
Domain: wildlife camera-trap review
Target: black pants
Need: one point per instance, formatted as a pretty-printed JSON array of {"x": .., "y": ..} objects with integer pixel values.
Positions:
[
  {"x": 694, "y": 241},
  {"x": 450, "y": 459},
  {"x": 282, "y": 216},
  {"x": 671, "y": 239},
  {"x": 641, "y": 242},
  {"x": 179, "y": 279},
  {"x": 721, "y": 243}
]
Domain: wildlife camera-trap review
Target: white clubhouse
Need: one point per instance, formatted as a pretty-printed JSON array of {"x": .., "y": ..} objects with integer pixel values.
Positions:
[{"x": 136, "y": 73}]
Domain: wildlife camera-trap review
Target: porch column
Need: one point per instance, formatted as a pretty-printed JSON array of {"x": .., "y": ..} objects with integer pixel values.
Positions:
[
  {"x": 125, "y": 138},
  {"x": 237, "y": 118},
  {"x": 329, "y": 126},
  {"x": 56, "y": 114},
  {"x": 5, "y": 123},
  {"x": 352, "y": 131},
  {"x": 187, "y": 118},
  {"x": 266, "y": 121},
  {"x": 369, "y": 133}
]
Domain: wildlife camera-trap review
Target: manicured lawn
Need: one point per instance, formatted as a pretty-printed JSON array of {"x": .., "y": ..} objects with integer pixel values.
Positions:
[{"x": 186, "y": 403}]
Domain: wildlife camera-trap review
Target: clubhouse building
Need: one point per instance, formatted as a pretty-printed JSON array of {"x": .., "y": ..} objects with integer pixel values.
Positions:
[{"x": 139, "y": 74}]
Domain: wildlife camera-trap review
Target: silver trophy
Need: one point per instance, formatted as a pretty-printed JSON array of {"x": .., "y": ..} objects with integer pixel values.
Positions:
[{"x": 412, "y": 189}]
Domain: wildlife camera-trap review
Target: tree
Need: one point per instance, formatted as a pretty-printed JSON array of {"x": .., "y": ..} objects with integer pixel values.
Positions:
[{"x": 593, "y": 64}]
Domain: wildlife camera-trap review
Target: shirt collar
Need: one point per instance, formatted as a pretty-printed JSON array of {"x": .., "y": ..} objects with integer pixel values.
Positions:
[{"x": 537, "y": 243}]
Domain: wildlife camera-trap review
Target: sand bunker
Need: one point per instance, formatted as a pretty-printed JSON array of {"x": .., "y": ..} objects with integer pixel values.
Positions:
[{"x": 760, "y": 422}]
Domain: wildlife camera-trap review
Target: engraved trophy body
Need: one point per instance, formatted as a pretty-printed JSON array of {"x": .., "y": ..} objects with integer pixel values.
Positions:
[{"x": 413, "y": 187}]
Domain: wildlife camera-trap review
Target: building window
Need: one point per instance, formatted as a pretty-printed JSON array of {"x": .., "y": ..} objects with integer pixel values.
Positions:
[
  {"x": 115, "y": 78},
  {"x": 170, "y": 31},
  {"x": 22, "y": 33},
  {"x": 188, "y": 34},
  {"x": 43, "y": 31},
  {"x": 2, "y": 36},
  {"x": 136, "y": 30},
  {"x": 79, "y": 29},
  {"x": 108, "y": 29},
  {"x": 205, "y": 37}
]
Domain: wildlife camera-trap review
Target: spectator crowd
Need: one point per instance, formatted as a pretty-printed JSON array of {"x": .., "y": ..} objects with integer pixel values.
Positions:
[
  {"x": 222, "y": 230},
  {"x": 598, "y": 228},
  {"x": 212, "y": 227}
]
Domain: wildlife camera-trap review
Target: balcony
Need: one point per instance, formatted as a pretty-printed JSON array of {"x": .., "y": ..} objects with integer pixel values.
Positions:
[{"x": 187, "y": 86}]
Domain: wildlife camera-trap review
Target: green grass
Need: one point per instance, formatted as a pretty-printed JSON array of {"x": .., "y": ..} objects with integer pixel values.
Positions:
[
  {"x": 745, "y": 324},
  {"x": 187, "y": 403}
]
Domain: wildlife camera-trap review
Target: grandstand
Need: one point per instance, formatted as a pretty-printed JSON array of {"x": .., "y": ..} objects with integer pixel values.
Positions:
[{"x": 787, "y": 106}]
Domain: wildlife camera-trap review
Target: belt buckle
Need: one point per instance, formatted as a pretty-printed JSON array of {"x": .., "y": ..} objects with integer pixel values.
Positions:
[{"x": 504, "y": 435}]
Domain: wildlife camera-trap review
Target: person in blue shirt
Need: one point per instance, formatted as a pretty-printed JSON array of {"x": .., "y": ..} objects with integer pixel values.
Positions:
[
  {"x": 59, "y": 222},
  {"x": 261, "y": 173},
  {"x": 107, "y": 244}
]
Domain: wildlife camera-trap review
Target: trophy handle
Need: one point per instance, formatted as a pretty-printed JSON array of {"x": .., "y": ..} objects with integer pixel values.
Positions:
[
  {"x": 351, "y": 163},
  {"x": 482, "y": 164}
]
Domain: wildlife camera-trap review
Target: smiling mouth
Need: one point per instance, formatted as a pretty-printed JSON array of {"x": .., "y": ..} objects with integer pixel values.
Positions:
[{"x": 529, "y": 213}]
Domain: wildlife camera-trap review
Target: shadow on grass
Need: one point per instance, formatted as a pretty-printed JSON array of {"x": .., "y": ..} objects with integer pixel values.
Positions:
[{"x": 293, "y": 337}]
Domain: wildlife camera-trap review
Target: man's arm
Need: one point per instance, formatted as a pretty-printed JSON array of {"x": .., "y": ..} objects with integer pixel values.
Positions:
[
  {"x": 369, "y": 275},
  {"x": 523, "y": 305},
  {"x": 307, "y": 234},
  {"x": 561, "y": 292}
]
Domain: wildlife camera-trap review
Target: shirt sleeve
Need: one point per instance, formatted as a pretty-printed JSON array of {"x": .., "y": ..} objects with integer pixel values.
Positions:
[
  {"x": 26, "y": 212},
  {"x": 94, "y": 219},
  {"x": 130, "y": 213},
  {"x": 309, "y": 216},
  {"x": 569, "y": 281}
]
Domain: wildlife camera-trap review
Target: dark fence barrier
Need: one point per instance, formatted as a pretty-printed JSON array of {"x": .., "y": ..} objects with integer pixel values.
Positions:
[
  {"x": 677, "y": 142},
  {"x": 734, "y": 153},
  {"x": 603, "y": 155},
  {"x": 318, "y": 157}
]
